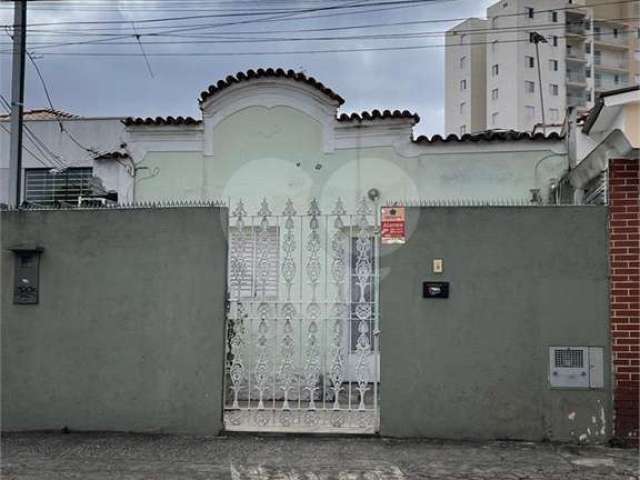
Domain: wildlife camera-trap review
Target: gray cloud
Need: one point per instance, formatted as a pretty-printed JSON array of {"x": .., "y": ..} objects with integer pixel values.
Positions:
[{"x": 106, "y": 86}]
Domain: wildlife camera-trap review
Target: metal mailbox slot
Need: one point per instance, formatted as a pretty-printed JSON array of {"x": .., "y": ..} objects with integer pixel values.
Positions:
[{"x": 26, "y": 286}]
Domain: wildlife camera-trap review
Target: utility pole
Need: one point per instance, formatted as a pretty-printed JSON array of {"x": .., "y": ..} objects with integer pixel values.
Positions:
[
  {"x": 17, "y": 99},
  {"x": 537, "y": 39}
]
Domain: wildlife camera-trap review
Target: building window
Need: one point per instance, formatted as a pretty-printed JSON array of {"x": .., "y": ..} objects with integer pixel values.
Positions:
[
  {"x": 554, "y": 17},
  {"x": 615, "y": 33},
  {"x": 494, "y": 118},
  {"x": 553, "y": 89},
  {"x": 554, "y": 114},
  {"x": 495, "y": 70},
  {"x": 463, "y": 84},
  {"x": 529, "y": 86},
  {"x": 587, "y": 72},
  {"x": 463, "y": 37},
  {"x": 248, "y": 283},
  {"x": 555, "y": 41},
  {"x": 44, "y": 187},
  {"x": 531, "y": 112},
  {"x": 530, "y": 61},
  {"x": 587, "y": 48},
  {"x": 530, "y": 12},
  {"x": 589, "y": 96},
  {"x": 494, "y": 94},
  {"x": 463, "y": 107},
  {"x": 616, "y": 79},
  {"x": 463, "y": 62},
  {"x": 553, "y": 65},
  {"x": 596, "y": 32},
  {"x": 463, "y": 129}
]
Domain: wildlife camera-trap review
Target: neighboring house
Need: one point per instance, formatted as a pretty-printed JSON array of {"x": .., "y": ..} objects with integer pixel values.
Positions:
[
  {"x": 590, "y": 49},
  {"x": 58, "y": 156},
  {"x": 605, "y": 150},
  {"x": 279, "y": 134}
]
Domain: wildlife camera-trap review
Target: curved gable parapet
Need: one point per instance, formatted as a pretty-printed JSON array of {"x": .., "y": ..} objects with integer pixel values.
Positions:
[
  {"x": 269, "y": 73},
  {"x": 269, "y": 88}
]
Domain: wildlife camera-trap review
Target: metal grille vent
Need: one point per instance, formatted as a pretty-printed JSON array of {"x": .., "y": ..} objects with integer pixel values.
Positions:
[
  {"x": 43, "y": 187},
  {"x": 569, "y": 358}
]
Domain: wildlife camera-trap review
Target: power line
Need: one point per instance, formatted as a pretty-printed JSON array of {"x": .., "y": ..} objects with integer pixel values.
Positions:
[
  {"x": 42, "y": 147},
  {"x": 28, "y": 150},
  {"x": 360, "y": 4},
  {"x": 53, "y": 109},
  {"x": 288, "y": 52},
  {"x": 255, "y": 13},
  {"x": 381, "y": 36}
]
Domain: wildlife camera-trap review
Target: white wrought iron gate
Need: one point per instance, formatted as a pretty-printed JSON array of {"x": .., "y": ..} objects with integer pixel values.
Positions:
[{"x": 302, "y": 323}]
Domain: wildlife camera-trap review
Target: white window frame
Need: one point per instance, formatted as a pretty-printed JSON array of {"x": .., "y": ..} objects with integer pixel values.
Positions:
[{"x": 529, "y": 87}]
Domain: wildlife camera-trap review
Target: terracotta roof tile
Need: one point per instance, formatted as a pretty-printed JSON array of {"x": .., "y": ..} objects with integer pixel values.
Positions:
[
  {"x": 157, "y": 121},
  {"x": 379, "y": 115},
  {"x": 268, "y": 73},
  {"x": 488, "y": 136},
  {"x": 43, "y": 114},
  {"x": 112, "y": 156}
]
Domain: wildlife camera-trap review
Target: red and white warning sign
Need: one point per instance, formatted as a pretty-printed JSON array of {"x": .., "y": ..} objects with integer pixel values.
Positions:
[{"x": 393, "y": 225}]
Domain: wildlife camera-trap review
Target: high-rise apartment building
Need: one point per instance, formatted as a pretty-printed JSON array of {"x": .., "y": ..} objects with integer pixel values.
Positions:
[{"x": 588, "y": 48}]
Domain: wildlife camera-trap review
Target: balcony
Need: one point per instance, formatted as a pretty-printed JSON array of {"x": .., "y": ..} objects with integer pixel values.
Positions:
[
  {"x": 575, "y": 54},
  {"x": 575, "y": 29},
  {"x": 576, "y": 79},
  {"x": 606, "y": 85},
  {"x": 615, "y": 65},
  {"x": 576, "y": 8},
  {"x": 576, "y": 100},
  {"x": 608, "y": 40}
]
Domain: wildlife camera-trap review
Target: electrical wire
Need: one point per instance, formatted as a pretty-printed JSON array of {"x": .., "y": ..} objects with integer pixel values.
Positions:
[
  {"x": 383, "y": 36},
  {"x": 42, "y": 147},
  {"x": 255, "y": 13},
  {"x": 27, "y": 149},
  {"x": 357, "y": 5},
  {"x": 289, "y": 52}
]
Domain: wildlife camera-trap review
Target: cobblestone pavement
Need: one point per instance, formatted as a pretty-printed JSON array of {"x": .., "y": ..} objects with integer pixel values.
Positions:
[{"x": 97, "y": 456}]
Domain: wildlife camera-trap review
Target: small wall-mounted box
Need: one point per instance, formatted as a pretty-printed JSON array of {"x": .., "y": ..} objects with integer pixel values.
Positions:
[
  {"x": 435, "y": 289},
  {"x": 576, "y": 367},
  {"x": 26, "y": 286}
]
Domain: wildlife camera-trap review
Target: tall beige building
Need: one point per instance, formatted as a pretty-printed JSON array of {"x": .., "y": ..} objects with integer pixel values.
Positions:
[{"x": 491, "y": 66}]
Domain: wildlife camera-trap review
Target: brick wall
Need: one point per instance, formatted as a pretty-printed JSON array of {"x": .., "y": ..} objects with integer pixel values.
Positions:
[{"x": 624, "y": 251}]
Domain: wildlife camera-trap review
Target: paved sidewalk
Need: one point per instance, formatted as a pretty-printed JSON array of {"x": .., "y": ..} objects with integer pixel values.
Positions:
[{"x": 94, "y": 456}]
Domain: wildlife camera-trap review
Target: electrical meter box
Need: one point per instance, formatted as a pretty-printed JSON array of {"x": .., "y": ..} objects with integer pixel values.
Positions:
[{"x": 576, "y": 367}]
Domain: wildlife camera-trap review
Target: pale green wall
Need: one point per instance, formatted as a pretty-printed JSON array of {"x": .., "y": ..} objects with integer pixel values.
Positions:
[{"x": 257, "y": 149}]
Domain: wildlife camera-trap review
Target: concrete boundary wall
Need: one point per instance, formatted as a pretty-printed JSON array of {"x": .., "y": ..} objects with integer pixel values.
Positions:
[
  {"x": 476, "y": 365},
  {"x": 129, "y": 331}
]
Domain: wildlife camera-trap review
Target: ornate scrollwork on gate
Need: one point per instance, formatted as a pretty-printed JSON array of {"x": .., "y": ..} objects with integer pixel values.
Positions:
[
  {"x": 286, "y": 376},
  {"x": 363, "y": 306},
  {"x": 301, "y": 311}
]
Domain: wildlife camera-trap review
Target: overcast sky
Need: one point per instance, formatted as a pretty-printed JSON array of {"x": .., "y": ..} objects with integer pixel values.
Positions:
[{"x": 122, "y": 86}]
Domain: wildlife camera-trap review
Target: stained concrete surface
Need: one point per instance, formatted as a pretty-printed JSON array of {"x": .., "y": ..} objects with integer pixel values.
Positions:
[
  {"x": 476, "y": 365},
  {"x": 97, "y": 456}
]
